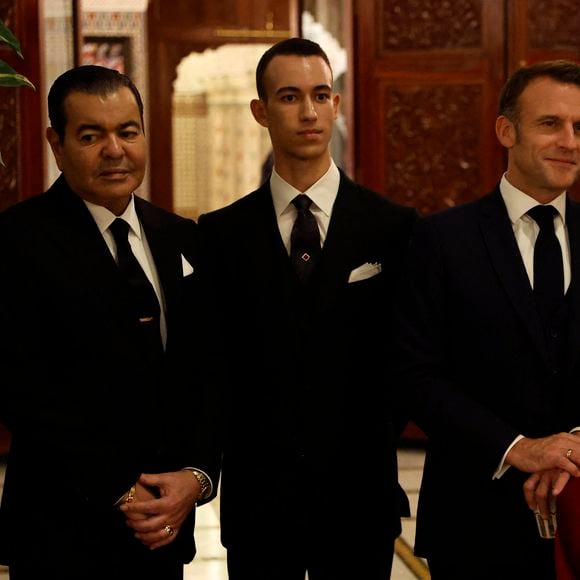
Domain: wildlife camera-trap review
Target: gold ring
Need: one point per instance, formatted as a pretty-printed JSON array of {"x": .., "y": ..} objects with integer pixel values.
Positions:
[
  {"x": 168, "y": 530},
  {"x": 569, "y": 453}
]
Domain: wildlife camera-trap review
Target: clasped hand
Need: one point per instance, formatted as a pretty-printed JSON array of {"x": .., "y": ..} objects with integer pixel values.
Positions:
[
  {"x": 552, "y": 461},
  {"x": 157, "y": 517}
]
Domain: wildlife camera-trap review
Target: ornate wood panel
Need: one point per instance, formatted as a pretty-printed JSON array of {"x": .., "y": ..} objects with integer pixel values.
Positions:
[
  {"x": 179, "y": 27},
  {"x": 544, "y": 30},
  {"x": 426, "y": 79},
  {"x": 20, "y": 109}
]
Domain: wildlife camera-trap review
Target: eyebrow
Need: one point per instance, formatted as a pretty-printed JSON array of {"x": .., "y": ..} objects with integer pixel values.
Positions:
[
  {"x": 292, "y": 89},
  {"x": 96, "y": 127}
]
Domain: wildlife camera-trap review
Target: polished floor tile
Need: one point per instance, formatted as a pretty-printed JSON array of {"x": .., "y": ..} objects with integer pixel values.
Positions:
[{"x": 210, "y": 561}]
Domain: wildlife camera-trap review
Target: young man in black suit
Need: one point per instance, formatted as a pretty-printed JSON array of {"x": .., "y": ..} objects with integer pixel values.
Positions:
[
  {"x": 309, "y": 466},
  {"x": 100, "y": 421},
  {"x": 492, "y": 368}
]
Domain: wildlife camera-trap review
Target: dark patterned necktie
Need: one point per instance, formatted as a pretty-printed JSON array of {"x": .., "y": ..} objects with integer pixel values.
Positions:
[
  {"x": 304, "y": 239},
  {"x": 144, "y": 300},
  {"x": 548, "y": 265}
]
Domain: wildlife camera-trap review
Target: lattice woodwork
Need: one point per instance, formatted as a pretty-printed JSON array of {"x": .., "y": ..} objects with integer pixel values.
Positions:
[
  {"x": 434, "y": 24},
  {"x": 554, "y": 24},
  {"x": 8, "y": 147},
  {"x": 7, "y": 13},
  {"x": 433, "y": 145}
]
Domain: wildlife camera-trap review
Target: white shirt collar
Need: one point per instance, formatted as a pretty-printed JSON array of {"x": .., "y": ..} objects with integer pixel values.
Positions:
[
  {"x": 322, "y": 193},
  {"x": 518, "y": 203},
  {"x": 104, "y": 217}
]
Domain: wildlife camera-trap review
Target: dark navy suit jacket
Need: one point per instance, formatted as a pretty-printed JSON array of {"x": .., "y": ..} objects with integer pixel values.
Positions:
[{"x": 478, "y": 369}]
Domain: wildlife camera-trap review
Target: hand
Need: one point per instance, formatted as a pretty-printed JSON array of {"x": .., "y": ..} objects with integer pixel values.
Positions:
[
  {"x": 541, "y": 489},
  {"x": 559, "y": 451},
  {"x": 142, "y": 493},
  {"x": 178, "y": 492}
]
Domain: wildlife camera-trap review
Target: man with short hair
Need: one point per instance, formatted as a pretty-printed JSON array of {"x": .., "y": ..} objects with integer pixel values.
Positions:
[
  {"x": 110, "y": 449},
  {"x": 489, "y": 343},
  {"x": 305, "y": 267}
]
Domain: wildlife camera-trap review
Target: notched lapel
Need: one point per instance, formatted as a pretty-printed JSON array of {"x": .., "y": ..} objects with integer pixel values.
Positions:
[
  {"x": 261, "y": 249},
  {"x": 507, "y": 261},
  {"x": 341, "y": 252},
  {"x": 166, "y": 254},
  {"x": 573, "y": 294},
  {"x": 73, "y": 229}
]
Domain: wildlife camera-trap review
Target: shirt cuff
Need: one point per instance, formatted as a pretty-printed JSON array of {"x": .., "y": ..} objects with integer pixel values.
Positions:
[{"x": 502, "y": 467}]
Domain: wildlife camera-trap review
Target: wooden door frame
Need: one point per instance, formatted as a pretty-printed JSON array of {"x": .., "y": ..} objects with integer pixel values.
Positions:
[{"x": 166, "y": 50}]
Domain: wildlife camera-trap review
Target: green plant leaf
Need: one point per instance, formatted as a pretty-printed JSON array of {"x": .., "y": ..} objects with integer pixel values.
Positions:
[
  {"x": 8, "y": 38},
  {"x": 15, "y": 80},
  {"x": 10, "y": 78}
]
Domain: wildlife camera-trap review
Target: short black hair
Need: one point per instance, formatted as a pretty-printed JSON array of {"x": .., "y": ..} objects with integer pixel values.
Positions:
[
  {"x": 562, "y": 71},
  {"x": 91, "y": 79},
  {"x": 291, "y": 47}
]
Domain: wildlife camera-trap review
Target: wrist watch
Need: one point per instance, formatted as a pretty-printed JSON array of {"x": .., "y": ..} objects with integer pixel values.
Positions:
[{"x": 204, "y": 484}]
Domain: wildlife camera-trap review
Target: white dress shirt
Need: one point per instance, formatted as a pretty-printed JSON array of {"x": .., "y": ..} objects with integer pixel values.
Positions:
[
  {"x": 139, "y": 246},
  {"x": 526, "y": 229},
  {"x": 322, "y": 193}
]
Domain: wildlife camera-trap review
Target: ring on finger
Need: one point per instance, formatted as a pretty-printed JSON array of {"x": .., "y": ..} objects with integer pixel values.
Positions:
[
  {"x": 569, "y": 453},
  {"x": 168, "y": 530}
]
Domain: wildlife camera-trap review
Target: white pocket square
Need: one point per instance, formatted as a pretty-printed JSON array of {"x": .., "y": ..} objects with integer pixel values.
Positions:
[
  {"x": 186, "y": 267},
  {"x": 365, "y": 271}
]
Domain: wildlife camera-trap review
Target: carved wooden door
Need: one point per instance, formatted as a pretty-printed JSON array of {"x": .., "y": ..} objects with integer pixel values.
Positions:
[{"x": 427, "y": 78}]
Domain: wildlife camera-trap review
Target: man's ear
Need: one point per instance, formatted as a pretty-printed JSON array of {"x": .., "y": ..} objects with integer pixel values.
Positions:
[
  {"x": 506, "y": 131},
  {"x": 258, "y": 108},
  {"x": 55, "y": 145},
  {"x": 335, "y": 104}
]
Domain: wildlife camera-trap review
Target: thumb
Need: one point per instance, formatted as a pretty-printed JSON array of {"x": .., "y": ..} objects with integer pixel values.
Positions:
[{"x": 150, "y": 479}]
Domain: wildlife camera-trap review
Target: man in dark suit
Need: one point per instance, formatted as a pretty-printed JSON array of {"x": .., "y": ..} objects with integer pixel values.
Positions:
[
  {"x": 309, "y": 480},
  {"x": 493, "y": 373},
  {"x": 90, "y": 388}
]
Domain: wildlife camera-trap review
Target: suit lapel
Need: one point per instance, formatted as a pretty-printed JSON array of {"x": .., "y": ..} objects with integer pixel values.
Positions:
[
  {"x": 70, "y": 224},
  {"x": 342, "y": 251},
  {"x": 262, "y": 246},
  {"x": 506, "y": 259},
  {"x": 163, "y": 249},
  {"x": 573, "y": 294},
  {"x": 73, "y": 227}
]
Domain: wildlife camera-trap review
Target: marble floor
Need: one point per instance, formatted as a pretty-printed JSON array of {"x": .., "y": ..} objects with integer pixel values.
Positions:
[{"x": 210, "y": 562}]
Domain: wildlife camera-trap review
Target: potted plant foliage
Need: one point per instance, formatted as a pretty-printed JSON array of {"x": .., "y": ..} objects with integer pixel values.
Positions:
[{"x": 8, "y": 76}]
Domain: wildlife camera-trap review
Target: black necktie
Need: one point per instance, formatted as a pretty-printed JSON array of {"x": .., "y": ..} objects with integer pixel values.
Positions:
[
  {"x": 304, "y": 239},
  {"x": 144, "y": 300},
  {"x": 548, "y": 265}
]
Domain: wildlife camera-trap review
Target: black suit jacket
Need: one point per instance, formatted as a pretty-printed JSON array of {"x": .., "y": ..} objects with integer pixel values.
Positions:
[
  {"x": 87, "y": 411},
  {"x": 307, "y": 406},
  {"x": 475, "y": 359}
]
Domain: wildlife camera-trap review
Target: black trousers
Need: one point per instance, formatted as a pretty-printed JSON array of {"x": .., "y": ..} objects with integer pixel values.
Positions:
[{"x": 261, "y": 561}]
